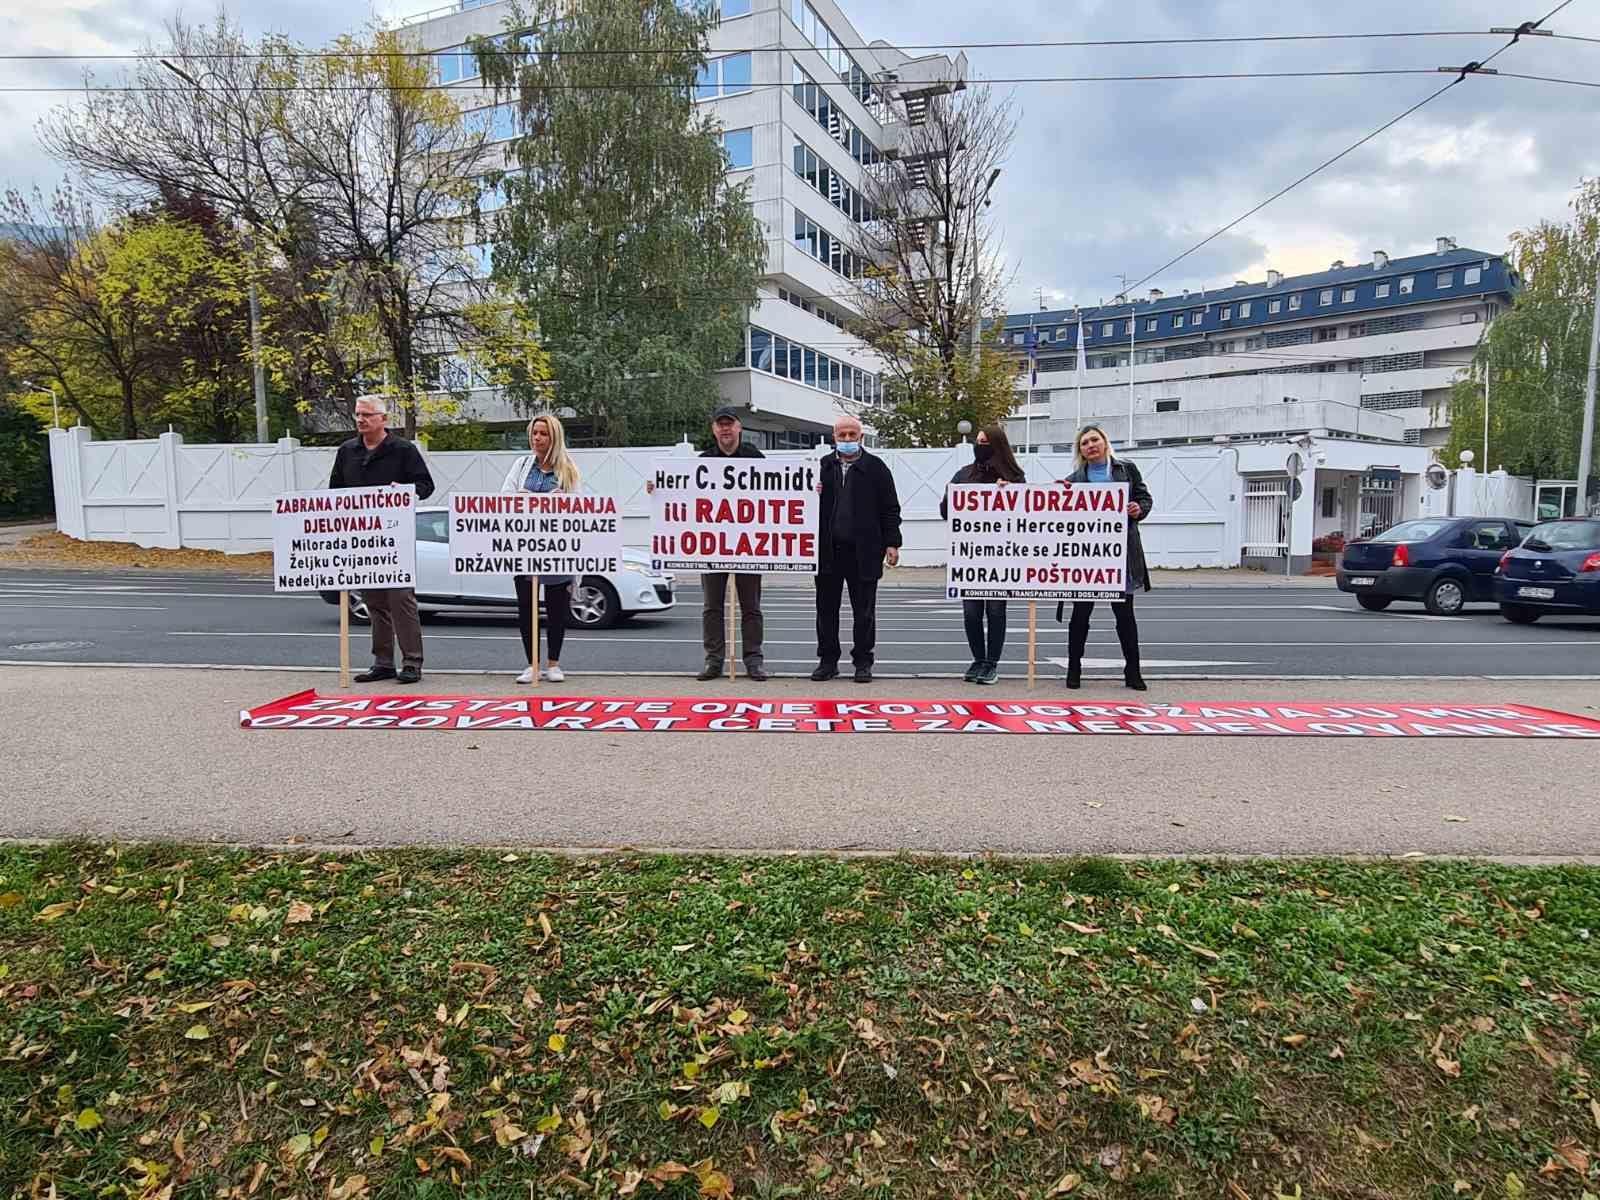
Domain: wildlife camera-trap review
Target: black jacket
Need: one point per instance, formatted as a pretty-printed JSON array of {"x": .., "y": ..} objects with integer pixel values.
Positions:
[
  {"x": 394, "y": 460},
  {"x": 1123, "y": 471},
  {"x": 745, "y": 450},
  {"x": 967, "y": 474},
  {"x": 874, "y": 515}
]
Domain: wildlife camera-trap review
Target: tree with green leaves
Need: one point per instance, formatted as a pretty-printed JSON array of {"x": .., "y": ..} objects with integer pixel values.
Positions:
[
  {"x": 1536, "y": 356},
  {"x": 621, "y": 231},
  {"x": 930, "y": 395}
]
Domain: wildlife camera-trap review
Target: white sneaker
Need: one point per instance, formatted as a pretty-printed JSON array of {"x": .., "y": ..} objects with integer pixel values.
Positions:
[
  {"x": 553, "y": 674},
  {"x": 526, "y": 676}
]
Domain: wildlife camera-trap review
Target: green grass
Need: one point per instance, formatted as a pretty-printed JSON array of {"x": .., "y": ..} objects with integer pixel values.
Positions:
[{"x": 176, "y": 1022}]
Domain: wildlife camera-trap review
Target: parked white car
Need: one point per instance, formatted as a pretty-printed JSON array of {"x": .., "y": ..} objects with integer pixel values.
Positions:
[{"x": 598, "y": 601}]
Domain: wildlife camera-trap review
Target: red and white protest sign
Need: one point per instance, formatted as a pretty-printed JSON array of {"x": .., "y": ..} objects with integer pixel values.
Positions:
[
  {"x": 1054, "y": 541},
  {"x": 601, "y": 714},
  {"x": 534, "y": 533},
  {"x": 345, "y": 539},
  {"x": 734, "y": 514}
]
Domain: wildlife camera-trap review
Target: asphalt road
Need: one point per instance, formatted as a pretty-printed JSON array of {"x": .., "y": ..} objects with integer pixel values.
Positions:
[
  {"x": 1215, "y": 633},
  {"x": 159, "y": 754}
]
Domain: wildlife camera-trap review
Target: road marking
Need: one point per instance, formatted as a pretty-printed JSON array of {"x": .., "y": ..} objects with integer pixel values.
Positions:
[
  {"x": 1361, "y": 612},
  {"x": 1151, "y": 662},
  {"x": 97, "y": 607}
]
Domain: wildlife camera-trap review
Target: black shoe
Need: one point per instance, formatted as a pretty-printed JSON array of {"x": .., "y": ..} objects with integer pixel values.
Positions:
[
  {"x": 863, "y": 674},
  {"x": 1074, "y": 676},
  {"x": 974, "y": 671},
  {"x": 375, "y": 675},
  {"x": 756, "y": 673},
  {"x": 1136, "y": 682},
  {"x": 409, "y": 675},
  {"x": 989, "y": 674},
  {"x": 712, "y": 670},
  {"x": 825, "y": 672}
]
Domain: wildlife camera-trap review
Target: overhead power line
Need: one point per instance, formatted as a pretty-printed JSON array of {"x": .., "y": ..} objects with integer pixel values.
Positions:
[
  {"x": 1063, "y": 44},
  {"x": 1468, "y": 69}
]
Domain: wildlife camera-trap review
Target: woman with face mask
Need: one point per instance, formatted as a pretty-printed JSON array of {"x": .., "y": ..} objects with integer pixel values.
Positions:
[
  {"x": 548, "y": 469},
  {"x": 994, "y": 463},
  {"x": 1096, "y": 464}
]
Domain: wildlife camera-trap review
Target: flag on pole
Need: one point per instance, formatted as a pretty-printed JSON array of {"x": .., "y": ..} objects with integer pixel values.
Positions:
[
  {"x": 1031, "y": 342},
  {"x": 1082, "y": 361}
]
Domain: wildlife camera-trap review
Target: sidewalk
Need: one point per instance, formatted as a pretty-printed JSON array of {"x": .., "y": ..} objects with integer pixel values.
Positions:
[{"x": 158, "y": 755}]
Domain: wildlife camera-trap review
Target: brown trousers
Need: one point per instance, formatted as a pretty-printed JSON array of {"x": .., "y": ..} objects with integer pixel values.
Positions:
[{"x": 394, "y": 618}]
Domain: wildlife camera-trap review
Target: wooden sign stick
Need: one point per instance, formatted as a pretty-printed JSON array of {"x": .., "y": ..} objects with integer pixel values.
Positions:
[
  {"x": 344, "y": 639},
  {"x": 533, "y": 629},
  {"x": 731, "y": 597},
  {"x": 1033, "y": 639}
]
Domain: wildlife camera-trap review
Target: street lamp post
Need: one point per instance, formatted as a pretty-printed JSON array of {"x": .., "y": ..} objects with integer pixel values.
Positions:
[
  {"x": 977, "y": 269},
  {"x": 250, "y": 248}
]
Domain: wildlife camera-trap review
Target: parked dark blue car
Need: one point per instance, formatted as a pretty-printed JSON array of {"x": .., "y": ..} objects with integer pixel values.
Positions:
[
  {"x": 1556, "y": 570},
  {"x": 1445, "y": 562}
]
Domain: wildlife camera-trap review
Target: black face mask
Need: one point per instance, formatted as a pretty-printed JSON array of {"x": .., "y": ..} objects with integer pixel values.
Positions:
[{"x": 982, "y": 452}]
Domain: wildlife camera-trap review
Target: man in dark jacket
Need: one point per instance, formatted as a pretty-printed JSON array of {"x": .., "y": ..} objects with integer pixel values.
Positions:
[
  {"x": 860, "y": 531},
  {"x": 729, "y": 442},
  {"x": 375, "y": 458}
]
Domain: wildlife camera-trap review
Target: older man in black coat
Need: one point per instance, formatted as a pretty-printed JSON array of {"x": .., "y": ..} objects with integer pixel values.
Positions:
[{"x": 859, "y": 532}]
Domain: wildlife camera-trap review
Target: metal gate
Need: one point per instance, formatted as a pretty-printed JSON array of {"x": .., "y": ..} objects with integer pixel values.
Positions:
[
  {"x": 1380, "y": 501},
  {"x": 1266, "y": 516}
]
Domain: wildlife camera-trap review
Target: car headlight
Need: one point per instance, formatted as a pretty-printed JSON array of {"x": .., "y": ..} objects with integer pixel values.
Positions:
[{"x": 639, "y": 568}]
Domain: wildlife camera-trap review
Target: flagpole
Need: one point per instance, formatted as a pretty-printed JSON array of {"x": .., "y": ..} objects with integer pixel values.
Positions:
[
  {"x": 1133, "y": 322},
  {"x": 1082, "y": 363},
  {"x": 1033, "y": 374}
]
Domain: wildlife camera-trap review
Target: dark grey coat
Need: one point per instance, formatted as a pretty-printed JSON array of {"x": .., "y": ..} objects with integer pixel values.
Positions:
[{"x": 1123, "y": 471}]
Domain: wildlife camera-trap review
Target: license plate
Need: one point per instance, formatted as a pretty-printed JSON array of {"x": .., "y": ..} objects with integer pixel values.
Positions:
[
  {"x": 1362, "y": 581},
  {"x": 1537, "y": 593}
]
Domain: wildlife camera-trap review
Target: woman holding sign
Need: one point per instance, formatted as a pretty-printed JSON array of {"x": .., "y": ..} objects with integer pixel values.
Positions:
[
  {"x": 548, "y": 469},
  {"x": 992, "y": 462},
  {"x": 1096, "y": 464}
]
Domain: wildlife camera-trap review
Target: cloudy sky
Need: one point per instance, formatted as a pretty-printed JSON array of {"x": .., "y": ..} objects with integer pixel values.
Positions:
[{"x": 1112, "y": 179}]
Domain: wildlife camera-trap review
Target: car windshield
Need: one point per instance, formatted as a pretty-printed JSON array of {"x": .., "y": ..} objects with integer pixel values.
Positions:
[
  {"x": 1566, "y": 535},
  {"x": 1409, "y": 531}
]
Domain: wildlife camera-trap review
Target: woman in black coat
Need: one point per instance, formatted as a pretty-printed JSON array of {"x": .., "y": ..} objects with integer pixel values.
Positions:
[
  {"x": 1096, "y": 464},
  {"x": 992, "y": 462}
]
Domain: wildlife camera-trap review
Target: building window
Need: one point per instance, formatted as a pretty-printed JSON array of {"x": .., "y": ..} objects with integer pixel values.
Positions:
[
  {"x": 1469, "y": 318},
  {"x": 1177, "y": 320},
  {"x": 740, "y": 148},
  {"x": 1330, "y": 502},
  {"x": 1471, "y": 276},
  {"x": 734, "y": 8},
  {"x": 1106, "y": 329},
  {"x": 1328, "y": 333},
  {"x": 811, "y": 167},
  {"x": 1327, "y": 297},
  {"x": 498, "y": 123},
  {"x": 1274, "y": 306},
  {"x": 823, "y": 246},
  {"x": 1349, "y": 296},
  {"x": 1166, "y": 406},
  {"x": 1408, "y": 284},
  {"x": 1018, "y": 338},
  {"x": 1444, "y": 279},
  {"x": 1244, "y": 310},
  {"x": 832, "y": 50},
  {"x": 1195, "y": 318},
  {"x": 1355, "y": 331},
  {"x": 1151, "y": 325},
  {"x": 1383, "y": 291},
  {"x": 1294, "y": 303},
  {"x": 726, "y": 76},
  {"x": 1227, "y": 312}
]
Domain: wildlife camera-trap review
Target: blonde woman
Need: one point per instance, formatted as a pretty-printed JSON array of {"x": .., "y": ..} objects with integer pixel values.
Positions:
[
  {"x": 549, "y": 468},
  {"x": 1097, "y": 464}
]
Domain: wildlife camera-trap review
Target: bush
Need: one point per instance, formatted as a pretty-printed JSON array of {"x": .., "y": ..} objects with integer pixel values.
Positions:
[
  {"x": 25, "y": 489},
  {"x": 1328, "y": 543}
]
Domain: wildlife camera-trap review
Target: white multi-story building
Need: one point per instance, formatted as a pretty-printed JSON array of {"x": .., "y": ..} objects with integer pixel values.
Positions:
[
  {"x": 1369, "y": 351},
  {"x": 806, "y": 108}
]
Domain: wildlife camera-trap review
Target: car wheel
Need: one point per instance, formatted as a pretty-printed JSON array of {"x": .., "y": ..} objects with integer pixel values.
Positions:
[
  {"x": 1446, "y": 598},
  {"x": 595, "y": 604},
  {"x": 1374, "y": 603},
  {"x": 360, "y": 614},
  {"x": 1518, "y": 614}
]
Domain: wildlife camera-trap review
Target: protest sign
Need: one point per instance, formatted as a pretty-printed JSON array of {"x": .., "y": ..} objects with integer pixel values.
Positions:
[
  {"x": 345, "y": 539},
  {"x": 1061, "y": 541},
  {"x": 534, "y": 533},
  {"x": 734, "y": 514},
  {"x": 681, "y": 714}
]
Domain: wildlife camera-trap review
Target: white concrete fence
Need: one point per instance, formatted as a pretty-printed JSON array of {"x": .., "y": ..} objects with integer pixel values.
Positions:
[{"x": 164, "y": 492}]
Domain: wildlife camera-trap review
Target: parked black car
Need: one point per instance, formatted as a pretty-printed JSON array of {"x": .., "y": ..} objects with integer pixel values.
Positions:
[
  {"x": 1445, "y": 562},
  {"x": 1556, "y": 571}
]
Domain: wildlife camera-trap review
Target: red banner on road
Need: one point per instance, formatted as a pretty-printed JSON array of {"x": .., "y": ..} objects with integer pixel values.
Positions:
[{"x": 628, "y": 714}]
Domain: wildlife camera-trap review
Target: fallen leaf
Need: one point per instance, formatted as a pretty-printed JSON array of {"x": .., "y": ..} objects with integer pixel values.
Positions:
[
  {"x": 1449, "y": 1066},
  {"x": 1295, "y": 1040},
  {"x": 1575, "y": 1157},
  {"x": 52, "y": 911},
  {"x": 509, "y": 1134},
  {"x": 88, "y": 1119},
  {"x": 351, "y": 1188},
  {"x": 708, "y": 1117},
  {"x": 550, "y": 1124},
  {"x": 376, "y": 1146},
  {"x": 1515, "y": 1189},
  {"x": 1483, "y": 1024},
  {"x": 10, "y": 899},
  {"x": 1066, "y": 1185},
  {"x": 1084, "y": 929},
  {"x": 1594, "y": 1111},
  {"x": 666, "y": 1110},
  {"x": 299, "y": 913},
  {"x": 299, "y": 1145},
  {"x": 1462, "y": 1187},
  {"x": 197, "y": 1006},
  {"x": 197, "y": 1033},
  {"x": 738, "y": 1017}
]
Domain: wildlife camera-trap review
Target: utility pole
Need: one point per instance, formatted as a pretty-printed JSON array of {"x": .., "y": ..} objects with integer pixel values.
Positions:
[
  {"x": 250, "y": 249},
  {"x": 1586, "y": 439}
]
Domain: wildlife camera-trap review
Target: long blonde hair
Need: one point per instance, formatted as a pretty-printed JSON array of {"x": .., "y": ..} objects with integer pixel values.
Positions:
[
  {"x": 560, "y": 463},
  {"x": 1077, "y": 445}
]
